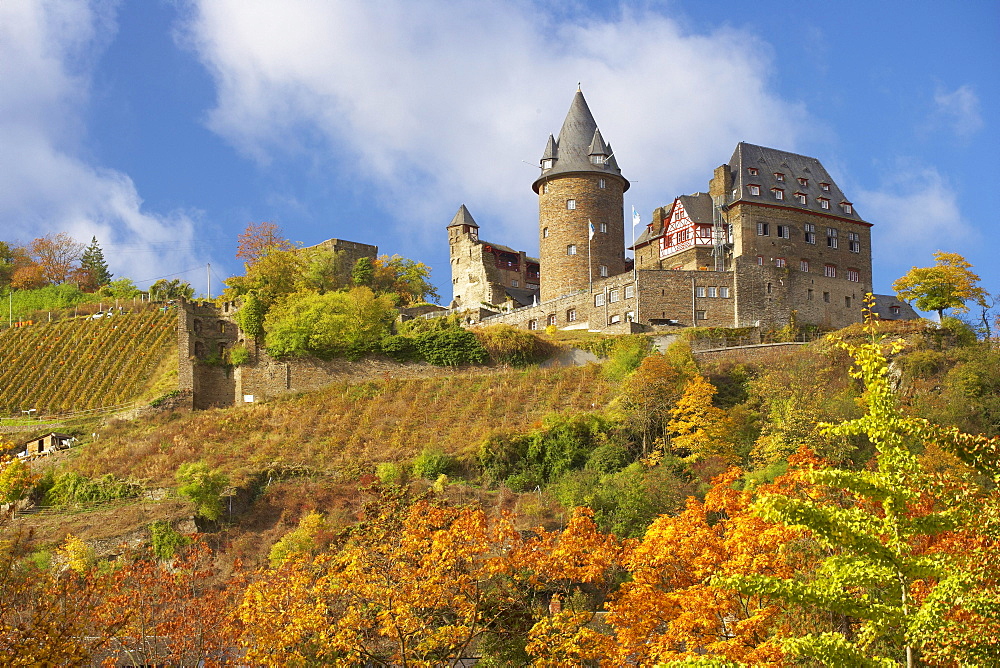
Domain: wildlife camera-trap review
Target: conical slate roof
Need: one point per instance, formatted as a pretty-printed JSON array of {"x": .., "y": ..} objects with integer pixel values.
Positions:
[
  {"x": 463, "y": 217},
  {"x": 578, "y": 140}
]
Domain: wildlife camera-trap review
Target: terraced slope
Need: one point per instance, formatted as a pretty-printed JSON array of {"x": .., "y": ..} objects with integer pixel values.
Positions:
[
  {"x": 348, "y": 424},
  {"x": 82, "y": 364}
]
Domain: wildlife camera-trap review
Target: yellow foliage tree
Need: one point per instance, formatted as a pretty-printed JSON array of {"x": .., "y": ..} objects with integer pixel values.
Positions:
[
  {"x": 949, "y": 284},
  {"x": 695, "y": 421}
]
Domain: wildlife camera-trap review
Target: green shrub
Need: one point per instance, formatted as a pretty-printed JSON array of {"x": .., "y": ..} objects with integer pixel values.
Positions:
[
  {"x": 400, "y": 348},
  {"x": 508, "y": 345},
  {"x": 625, "y": 356},
  {"x": 392, "y": 473},
  {"x": 432, "y": 463},
  {"x": 609, "y": 458},
  {"x": 70, "y": 488},
  {"x": 202, "y": 486},
  {"x": 525, "y": 481},
  {"x": 239, "y": 355},
  {"x": 166, "y": 541},
  {"x": 250, "y": 316},
  {"x": 451, "y": 347},
  {"x": 159, "y": 400}
]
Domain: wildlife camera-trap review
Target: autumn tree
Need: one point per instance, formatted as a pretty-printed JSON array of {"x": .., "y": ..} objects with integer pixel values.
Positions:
[
  {"x": 875, "y": 532},
  {"x": 203, "y": 486},
  {"x": 949, "y": 284},
  {"x": 56, "y": 256},
  {"x": 16, "y": 479},
  {"x": 693, "y": 418},
  {"x": 407, "y": 279},
  {"x": 163, "y": 290},
  {"x": 647, "y": 396},
  {"x": 260, "y": 239},
  {"x": 412, "y": 584}
]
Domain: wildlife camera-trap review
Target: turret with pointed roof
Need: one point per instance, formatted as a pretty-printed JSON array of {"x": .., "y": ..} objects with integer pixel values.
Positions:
[{"x": 580, "y": 185}]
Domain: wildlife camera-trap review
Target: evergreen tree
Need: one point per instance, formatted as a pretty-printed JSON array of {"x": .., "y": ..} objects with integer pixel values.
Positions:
[{"x": 94, "y": 264}]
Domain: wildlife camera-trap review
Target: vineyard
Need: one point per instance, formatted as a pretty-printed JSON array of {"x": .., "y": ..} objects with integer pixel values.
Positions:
[
  {"x": 345, "y": 424},
  {"x": 83, "y": 363}
]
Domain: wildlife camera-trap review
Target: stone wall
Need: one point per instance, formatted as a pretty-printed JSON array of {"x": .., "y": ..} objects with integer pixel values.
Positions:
[
  {"x": 561, "y": 227},
  {"x": 205, "y": 333},
  {"x": 762, "y": 354}
]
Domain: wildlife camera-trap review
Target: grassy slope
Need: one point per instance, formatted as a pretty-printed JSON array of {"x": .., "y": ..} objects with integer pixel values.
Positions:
[
  {"x": 84, "y": 364},
  {"x": 345, "y": 426}
]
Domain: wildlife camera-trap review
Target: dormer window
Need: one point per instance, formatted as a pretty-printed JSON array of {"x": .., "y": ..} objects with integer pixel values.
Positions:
[
  {"x": 597, "y": 160},
  {"x": 752, "y": 171},
  {"x": 803, "y": 182},
  {"x": 779, "y": 177},
  {"x": 547, "y": 163},
  {"x": 800, "y": 198},
  {"x": 754, "y": 190},
  {"x": 847, "y": 207},
  {"x": 824, "y": 203},
  {"x": 779, "y": 194},
  {"x": 825, "y": 187}
]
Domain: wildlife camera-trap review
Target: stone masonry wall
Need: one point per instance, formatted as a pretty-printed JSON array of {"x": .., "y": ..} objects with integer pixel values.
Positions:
[{"x": 559, "y": 227}]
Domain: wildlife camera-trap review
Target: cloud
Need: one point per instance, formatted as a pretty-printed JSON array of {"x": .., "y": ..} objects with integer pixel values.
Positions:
[
  {"x": 915, "y": 211},
  {"x": 959, "y": 110},
  {"x": 47, "y": 52},
  {"x": 440, "y": 103}
]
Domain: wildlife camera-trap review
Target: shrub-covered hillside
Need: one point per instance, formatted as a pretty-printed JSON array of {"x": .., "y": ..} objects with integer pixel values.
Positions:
[{"x": 83, "y": 363}]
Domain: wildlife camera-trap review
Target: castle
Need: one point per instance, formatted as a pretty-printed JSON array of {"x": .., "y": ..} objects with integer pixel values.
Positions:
[{"x": 774, "y": 240}]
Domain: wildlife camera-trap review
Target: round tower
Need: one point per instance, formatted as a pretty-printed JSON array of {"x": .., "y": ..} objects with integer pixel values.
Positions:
[{"x": 580, "y": 206}]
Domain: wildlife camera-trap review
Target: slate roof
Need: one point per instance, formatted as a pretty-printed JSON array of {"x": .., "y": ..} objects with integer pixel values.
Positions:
[
  {"x": 578, "y": 140},
  {"x": 522, "y": 296},
  {"x": 698, "y": 207},
  {"x": 768, "y": 162},
  {"x": 884, "y": 304},
  {"x": 463, "y": 217}
]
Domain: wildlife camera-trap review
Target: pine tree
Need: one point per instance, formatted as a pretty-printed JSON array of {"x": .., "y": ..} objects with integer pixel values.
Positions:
[{"x": 94, "y": 264}]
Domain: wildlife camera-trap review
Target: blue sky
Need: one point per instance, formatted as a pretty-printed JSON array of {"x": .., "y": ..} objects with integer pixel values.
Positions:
[{"x": 165, "y": 127}]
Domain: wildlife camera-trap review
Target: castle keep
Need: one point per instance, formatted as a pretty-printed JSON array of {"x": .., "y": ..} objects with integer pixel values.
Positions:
[{"x": 774, "y": 240}]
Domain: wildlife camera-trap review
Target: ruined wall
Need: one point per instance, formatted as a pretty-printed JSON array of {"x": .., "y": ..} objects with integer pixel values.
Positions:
[{"x": 205, "y": 333}]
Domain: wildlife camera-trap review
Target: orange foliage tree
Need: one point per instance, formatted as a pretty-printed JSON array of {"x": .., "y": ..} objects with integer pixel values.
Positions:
[
  {"x": 260, "y": 239},
  {"x": 57, "y": 256}
]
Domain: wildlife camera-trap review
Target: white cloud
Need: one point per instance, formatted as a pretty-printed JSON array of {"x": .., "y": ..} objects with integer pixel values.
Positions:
[
  {"x": 959, "y": 110},
  {"x": 915, "y": 211},
  {"x": 47, "y": 51},
  {"x": 441, "y": 103}
]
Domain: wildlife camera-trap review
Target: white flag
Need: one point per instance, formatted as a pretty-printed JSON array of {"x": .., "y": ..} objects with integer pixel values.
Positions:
[
  {"x": 591, "y": 229},
  {"x": 635, "y": 217}
]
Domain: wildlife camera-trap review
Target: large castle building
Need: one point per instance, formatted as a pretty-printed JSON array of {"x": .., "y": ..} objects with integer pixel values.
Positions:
[{"x": 774, "y": 240}]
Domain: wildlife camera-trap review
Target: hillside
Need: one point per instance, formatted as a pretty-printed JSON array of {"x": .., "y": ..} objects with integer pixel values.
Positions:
[
  {"x": 347, "y": 426},
  {"x": 81, "y": 364}
]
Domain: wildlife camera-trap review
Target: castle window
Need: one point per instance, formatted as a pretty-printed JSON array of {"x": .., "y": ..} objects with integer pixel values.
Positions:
[
  {"x": 800, "y": 198},
  {"x": 701, "y": 315},
  {"x": 614, "y": 296},
  {"x": 629, "y": 291},
  {"x": 752, "y": 171},
  {"x": 768, "y": 288},
  {"x": 571, "y": 204},
  {"x": 571, "y": 249},
  {"x": 545, "y": 188},
  {"x": 824, "y": 203},
  {"x": 551, "y": 319},
  {"x": 830, "y": 270},
  {"x": 894, "y": 309},
  {"x": 763, "y": 229},
  {"x": 713, "y": 291},
  {"x": 847, "y": 207},
  {"x": 847, "y": 301},
  {"x": 760, "y": 260},
  {"x": 779, "y": 262},
  {"x": 825, "y": 187},
  {"x": 547, "y": 163},
  {"x": 599, "y": 299},
  {"x": 754, "y": 190},
  {"x": 571, "y": 315},
  {"x": 854, "y": 275},
  {"x": 597, "y": 159},
  {"x": 602, "y": 269},
  {"x": 783, "y": 231},
  {"x": 699, "y": 291},
  {"x": 803, "y": 182},
  {"x": 514, "y": 283},
  {"x": 222, "y": 327},
  {"x": 532, "y": 324},
  {"x": 545, "y": 233},
  {"x": 831, "y": 237},
  {"x": 809, "y": 294},
  {"x": 724, "y": 292},
  {"x": 602, "y": 227},
  {"x": 854, "y": 242},
  {"x": 779, "y": 177},
  {"x": 779, "y": 194},
  {"x": 615, "y": 319},
  {"x": 826, "y": 297},
  {"x": 804, "y": 265},
  {"x": 601, "y": 183},
  {"x": 810, "y": 233}
]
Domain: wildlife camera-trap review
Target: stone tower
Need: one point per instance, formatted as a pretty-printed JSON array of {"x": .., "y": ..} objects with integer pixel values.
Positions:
[{"x": 580, "y": 185}]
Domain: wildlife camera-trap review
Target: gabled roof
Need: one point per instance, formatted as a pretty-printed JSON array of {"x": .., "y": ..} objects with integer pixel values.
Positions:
[
  {"x": 883, "y": 308},
  {"x": 463, "y": 217},
  {"x": 522, "y": 296},
  {"x": 770, "y": 161},
  {"x": 577, "y": 141},
  {"x": 698, "y": 207}
]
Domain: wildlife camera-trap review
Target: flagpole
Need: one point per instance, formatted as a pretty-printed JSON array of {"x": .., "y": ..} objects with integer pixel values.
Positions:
[
  {"x": 635, "y": 270},
  {"x": 590, "y": 260}
]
